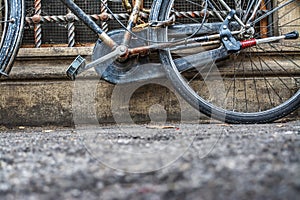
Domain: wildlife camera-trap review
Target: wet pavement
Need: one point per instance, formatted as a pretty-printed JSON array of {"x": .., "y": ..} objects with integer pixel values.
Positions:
[{"x": 178, "y": 161}]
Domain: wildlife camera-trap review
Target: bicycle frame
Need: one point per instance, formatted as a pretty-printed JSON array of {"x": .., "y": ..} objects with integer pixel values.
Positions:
[
  {"x": 89, "y": 22},
  {"x": 221, "y": 35},
  {"x": 138, "y": 6},
  {"x": 130, "y": 54}
]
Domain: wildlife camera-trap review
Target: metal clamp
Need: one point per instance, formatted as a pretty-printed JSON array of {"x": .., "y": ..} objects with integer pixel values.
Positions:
[{"x": 230, "y": 43}]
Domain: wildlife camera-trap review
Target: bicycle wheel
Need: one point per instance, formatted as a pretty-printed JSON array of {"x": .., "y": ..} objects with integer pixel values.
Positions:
[
  {"x": 258, "y": 84},
  {"x": 11, "y": 29}
]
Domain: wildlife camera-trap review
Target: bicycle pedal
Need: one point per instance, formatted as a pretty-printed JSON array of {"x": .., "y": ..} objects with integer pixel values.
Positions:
[{"x": 73, "y": 69}]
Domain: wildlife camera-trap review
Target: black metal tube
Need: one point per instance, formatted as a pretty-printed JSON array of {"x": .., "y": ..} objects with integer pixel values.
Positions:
[
  {"x": 82, "y": 16},
  {"x": 89, "y": 22}
]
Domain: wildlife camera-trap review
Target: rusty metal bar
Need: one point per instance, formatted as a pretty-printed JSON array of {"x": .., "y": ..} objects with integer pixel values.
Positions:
[
  {"x": 37, "y": 26},
  {"x": 71, "y": 29},
  {"x": 127, "y": 6},
  {"x": 66, "y": 18},
  {"x": 133, "y": 19},
  {"x": 90, "y": 23},
  {"x": 104, "y": 17},
  {"x": 104, "y": 24}
]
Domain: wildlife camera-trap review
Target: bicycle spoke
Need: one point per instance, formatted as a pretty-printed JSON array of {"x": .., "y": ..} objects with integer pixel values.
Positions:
[
  {"x": 256, "y": 88},
  {"x": 295, "y": 47},
  {"x": 194, "y": 3},
  {"x": 287, "y": 74},
  {"x": 248, "y": 10},
  {"x": 261, "y": 61},
  {"x": 283, "y": 25},
  {"x": 245, "y": 88},
  {"x": 280, "y": 79},
  {"x": 258, "y": 104},
  {"x": 236, "y": 68},
  {"x": 257, "y": 81},
  {"x": 234, "y": 85},
  {"x": 272, "y": 11},
  {"x": 289, "y": 59},
  {"x": 266, "y": 82},
  {"x": 216, "y": 10}
]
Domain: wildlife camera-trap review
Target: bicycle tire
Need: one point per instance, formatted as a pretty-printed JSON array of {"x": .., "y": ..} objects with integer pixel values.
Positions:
[
  {"x": 248, "y": 112},
  {"x": 11, "y": 32}
]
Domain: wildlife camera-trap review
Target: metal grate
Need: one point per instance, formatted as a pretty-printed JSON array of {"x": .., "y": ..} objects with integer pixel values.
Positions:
[
  {"x": 63, "y": 33},
  {"x": 55, "y": 30},
  {"x": 28, "y": 37},
  {"x": 54, "y": 33},
  {"x": 82, "y": 33},
  {"x": 59, "y": 32}
]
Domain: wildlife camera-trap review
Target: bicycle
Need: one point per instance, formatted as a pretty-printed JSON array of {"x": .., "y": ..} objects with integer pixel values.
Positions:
[{"x": 251, "y": 46}]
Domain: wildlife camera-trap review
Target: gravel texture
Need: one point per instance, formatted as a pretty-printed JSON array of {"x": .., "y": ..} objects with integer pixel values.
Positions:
[{"x": 187, "y": 161}]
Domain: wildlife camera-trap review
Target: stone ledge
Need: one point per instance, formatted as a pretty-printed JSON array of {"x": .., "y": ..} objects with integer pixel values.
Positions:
[
  {"x": 54, "y": 52},
  {"x": 39, "y": 93},
  {"x": 38, "y": 103}
]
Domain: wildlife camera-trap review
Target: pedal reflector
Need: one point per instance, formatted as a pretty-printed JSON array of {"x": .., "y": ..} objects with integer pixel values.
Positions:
[{"x": 78, "y": 63}]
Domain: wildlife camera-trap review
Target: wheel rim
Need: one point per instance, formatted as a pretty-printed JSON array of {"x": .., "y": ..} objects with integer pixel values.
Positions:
[
  {"x": 250, "y": 82},
  {"x": 4, "y": 17}
]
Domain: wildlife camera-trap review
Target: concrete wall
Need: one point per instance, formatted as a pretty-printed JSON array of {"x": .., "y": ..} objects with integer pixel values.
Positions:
[{"x": 39, "y": 93}]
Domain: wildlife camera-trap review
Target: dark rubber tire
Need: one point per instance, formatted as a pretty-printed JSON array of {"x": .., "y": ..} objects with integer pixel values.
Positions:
[
  {"x": 160, "y": 12},
  {"x": 11, "y": 34}
]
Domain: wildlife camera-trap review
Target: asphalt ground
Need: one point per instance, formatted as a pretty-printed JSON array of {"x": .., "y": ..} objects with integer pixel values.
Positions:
[{"x": 178, "y": 161}]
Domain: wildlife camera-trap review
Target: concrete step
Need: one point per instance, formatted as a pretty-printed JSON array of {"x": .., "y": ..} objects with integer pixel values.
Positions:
[{"x": 39, "y": 93}]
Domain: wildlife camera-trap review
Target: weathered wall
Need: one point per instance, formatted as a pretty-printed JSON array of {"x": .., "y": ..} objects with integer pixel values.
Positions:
[{"x": 38, "y": 93}]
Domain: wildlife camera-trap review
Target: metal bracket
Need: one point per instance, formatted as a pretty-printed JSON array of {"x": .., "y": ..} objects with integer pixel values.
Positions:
[
  {"x": 230, "y": 43},
  {"x": 167, "y": 22}
]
